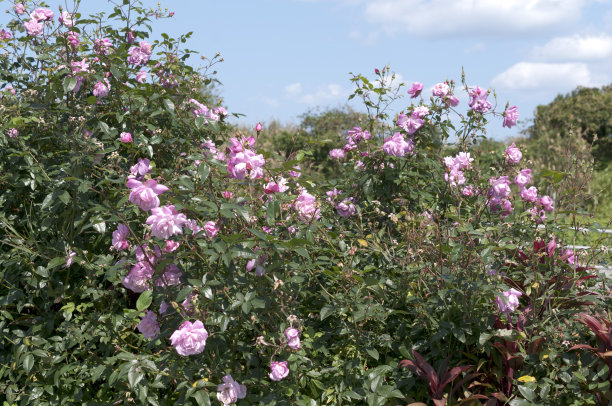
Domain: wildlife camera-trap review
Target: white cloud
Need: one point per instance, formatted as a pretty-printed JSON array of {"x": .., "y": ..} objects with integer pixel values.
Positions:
[
  {"x": 575, "y": 48},
  {"x": 322, "y": 94},
  {"x": 435, "y": 18},
  {"x": 544, "y": 76},
  {"x": 293, "y": 89}
]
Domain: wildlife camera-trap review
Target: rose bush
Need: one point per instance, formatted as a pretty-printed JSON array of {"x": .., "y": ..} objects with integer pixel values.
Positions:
[{"x": 168, "y": 268}]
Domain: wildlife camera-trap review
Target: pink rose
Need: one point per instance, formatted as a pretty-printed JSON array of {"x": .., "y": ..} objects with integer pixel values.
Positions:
[
  {"x": 230, "y": 391},
  {"x": 511, "y": 116},
  {"x": 4, "y": 34},
  {"x": 336, "y": 153},
  {"x": 13, "y": 132},
  {"x": 126, "y": 137},
  {"x": 278, "y": 370},
  {"x": 139, "y": 277},
  {"x": 306, "y": 207},
  {"x": 523, "y": 178},
  {"x": 440, "y": 90},
  {"x": 42, "y": 14},
  {"x": 547, "y": 203},
  {"x": 130, "y": 37},
  {"x": 73, "y": 38},
  {"x": 509, "y": 301},
  {"x": 397, "y": 145},
  {"x": 211, "y": 229},
  {"x": 141, "y": 168},
  {"x": 145, "y": 195},
  {"x": 66, "y": 19},
  {"x": 293, "y": 338},
  {"x": 478, "y": 101},
  {"x": 190, "y": 338},
  {"x": 101, "y": 89},
  {"x": 148, "y": 326},
  {"x": 409, "y": 124},
  {"x": 513, "y": 154},
  {"x": 33, "y": 27},
  {"x": 258, "y": 127},
  {"x": 20, "y": 8},
  {"x": 120, "y": 236},
  {"x": 102, "y": 46},
  {"x": 172, "y": 276},
  {"x": 165, "y": 222},
  {"x": 141, "y": 76},
  {"x": 530, "y": 195},
  {"x": 415, "y": 90},
  {"x": 452, "y": 101},
  {"x": 171, "y": 245},
  {"x": 346, "y": 208}
]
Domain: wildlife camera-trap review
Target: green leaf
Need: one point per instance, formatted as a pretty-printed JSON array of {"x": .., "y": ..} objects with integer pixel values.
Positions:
[
  {"x": 373, "y": 353},
  {"x": 202, "y": 398},
  {"x": 326, "y": 311},
  {"x": 69, "y": 83},
  {"x": 135, "y": 375},
  {"x": 169, "y": 104},
  {"x": 527, "y": 393},
  {"x": 203, "y": 171},
  {"x": 28, "y": 363},
  {"x": 144, "y": 300}
]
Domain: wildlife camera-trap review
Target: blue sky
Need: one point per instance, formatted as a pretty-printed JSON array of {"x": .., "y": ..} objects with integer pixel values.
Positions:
[{"x": 282, "y": 57}]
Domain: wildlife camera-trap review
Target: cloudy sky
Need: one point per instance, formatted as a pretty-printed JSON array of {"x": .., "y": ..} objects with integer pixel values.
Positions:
[{"x": 282, "y": 57}]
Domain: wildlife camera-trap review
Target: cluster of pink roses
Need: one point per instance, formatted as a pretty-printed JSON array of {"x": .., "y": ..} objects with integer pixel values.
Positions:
[
  {"x": 443, "y": 91},
  {"x": 455, "y": 166},
  {"x": 35, "y": 25},
  {"x": 478, "y": 100},
  {"x": 242, "y": 161},
  {"x": 141, "y": 54},
  {"x": 500, "y": 190}
]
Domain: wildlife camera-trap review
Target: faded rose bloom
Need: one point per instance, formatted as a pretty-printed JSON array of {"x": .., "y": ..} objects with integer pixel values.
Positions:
[
  {"x": 70, "y": 259},
  {"x": 513, "y": 154},
  {"x": 296, "y": 173},
  {"x": 415, "y": 90},
  {"x": 230, "y": 391},
  {"x": 172, "y": 276},
  {"x": 145, "y": 195},
  {"x": 511, "y": 116},
  {"x": 278, "y": 370},
  {"x": 148, "y": 326},
  {"x": 276, "y": 187},
  {"x": 293, "y": 338},
  {"x": 120, "y": 236},
  {"x": 346, "y": 208},
  {"x": 509, "y": 301},
  {"x": 547, "y": 203},
  {"x": 356, "y": 134},
  {"x": 451, "y": 100},
  {"x": 126, "y": 137},
  {"x": 141, "y": 168},
  {"x": 141, "y": 76},
  {"x": 190, "y": 338},
  {"x": 211, "y": 229},
  {"x": 165, "y": 222},
  {"x": 468, "y": 190}
]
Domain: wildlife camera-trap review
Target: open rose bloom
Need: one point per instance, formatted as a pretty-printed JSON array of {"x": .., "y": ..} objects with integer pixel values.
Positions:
[{"x": 190, "y": 338}]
